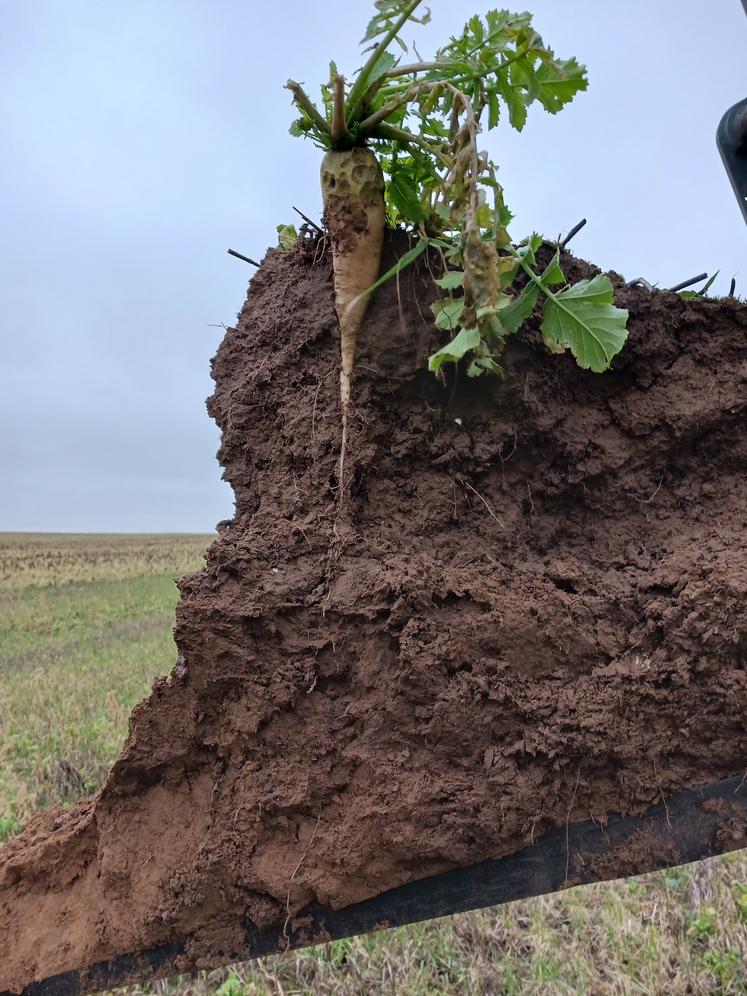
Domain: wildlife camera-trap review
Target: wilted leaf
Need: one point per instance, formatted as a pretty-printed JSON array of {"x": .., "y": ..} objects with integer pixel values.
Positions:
[{"x": 484, "y": 216}]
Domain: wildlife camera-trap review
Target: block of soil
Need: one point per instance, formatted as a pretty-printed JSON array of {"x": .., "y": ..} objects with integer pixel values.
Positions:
[{"x": 531, "y": 610}]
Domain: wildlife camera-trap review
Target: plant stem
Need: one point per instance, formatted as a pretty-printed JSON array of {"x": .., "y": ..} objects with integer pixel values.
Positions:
[
  {"x": 304, "y": 102},
  {"x": 443, "y": 64},
  {"x": 411, "y": 70},
  {"x": 360, "y": 86},
  {"x": 394, "y": 134},
  {"x": 534, "y": 278},
  {"x": 414, "y": 67},
  {"x": 526, "y": 267},
  {"x": 374, "y": 120},
  {"x": 339, "y": 127}
]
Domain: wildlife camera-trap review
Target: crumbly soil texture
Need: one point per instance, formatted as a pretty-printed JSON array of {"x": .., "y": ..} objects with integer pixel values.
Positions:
[{"x": 530, "y": 610}]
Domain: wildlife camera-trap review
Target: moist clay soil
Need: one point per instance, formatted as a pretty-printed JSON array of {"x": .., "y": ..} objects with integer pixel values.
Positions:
[{"x": 532, "y": 611}]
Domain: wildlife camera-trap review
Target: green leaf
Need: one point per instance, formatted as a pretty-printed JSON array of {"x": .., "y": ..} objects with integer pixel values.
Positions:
[
  {"x": 528, "y": 249},
  {"x": 484, "y": 364},
  {"x": 448, "y": 311},
  {"x": 383, "y": 64},
  {"x": 553, "y": 274},
  {"x": 513, "y": 316},
  {"x": 453, "y": 352},
  {"x": 709, "y": 283},
  {"x": 517, "y": 108},
  {"x": 388, "y": 11},
  {"x": 494, "y": 109},
  {"x": 584, "y": 320},
  {"x": 373, "y": 30},
  {"x": 559, "y": 82},
  {"x": 475, "y": 26},
  {"x": 287, "y": 236},
  {"x": 451, "y": 280},
  {"x": 523, "y": 75},
  {"x": 404, "y": 194}
]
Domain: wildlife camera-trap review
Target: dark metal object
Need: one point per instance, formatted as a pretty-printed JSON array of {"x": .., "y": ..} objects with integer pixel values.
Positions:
[
  {"x": 309, "y": 222},
  {"x": 641, "y": 282},
  {"x": 574, "y": 231},
  {"x": 692, "y": 825},
  {"x": 149, "y": 964},
  {"x": 690, "y": 282},
  {"x": 733, "y": 284},
  {"x": 238, "y": 255},
  {"x": 731, "y": 138}
]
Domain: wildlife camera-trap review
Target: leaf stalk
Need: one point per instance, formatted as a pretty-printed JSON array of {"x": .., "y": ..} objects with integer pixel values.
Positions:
[
  {"x": 339, "y": 125},
  {"x": 307, "y": 105},
  {"x": 355, "y": 97}
]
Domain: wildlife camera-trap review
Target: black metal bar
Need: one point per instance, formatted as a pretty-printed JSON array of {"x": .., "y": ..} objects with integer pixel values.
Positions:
[
  {"x": 733, "y": 284},
  {"x": 309, "y": 222},
  {"x": 690, "y": 282},
  {"x": 694, "y": 824},
  {"x": 148, "y": 964},
  {"x": 574, "y": 231},
  {"x": 731, "y": 138},
  {"x": 238, "y": 255}
]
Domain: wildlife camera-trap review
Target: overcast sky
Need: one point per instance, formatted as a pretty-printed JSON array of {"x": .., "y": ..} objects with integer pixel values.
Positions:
[{"x": 142, "y": 138}]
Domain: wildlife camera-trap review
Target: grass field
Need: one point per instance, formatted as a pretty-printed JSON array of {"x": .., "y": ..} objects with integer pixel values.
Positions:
[{"x": 85, "y": 626}]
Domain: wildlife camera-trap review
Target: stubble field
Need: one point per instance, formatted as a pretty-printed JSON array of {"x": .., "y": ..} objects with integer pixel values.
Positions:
[{"x": 85, "y": 626}]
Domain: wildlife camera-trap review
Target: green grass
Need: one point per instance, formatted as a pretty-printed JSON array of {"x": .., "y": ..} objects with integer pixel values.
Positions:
[
  {"x": 80, "y": 643},
  {"x": 85, "y": 626}
]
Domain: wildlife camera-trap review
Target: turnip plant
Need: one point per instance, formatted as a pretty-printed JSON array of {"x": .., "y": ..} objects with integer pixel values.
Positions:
[{"x": 401, "y": 144}]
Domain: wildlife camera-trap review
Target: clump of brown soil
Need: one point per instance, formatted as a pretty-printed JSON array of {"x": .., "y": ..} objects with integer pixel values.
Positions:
[{"x": 534, "y": 613}]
